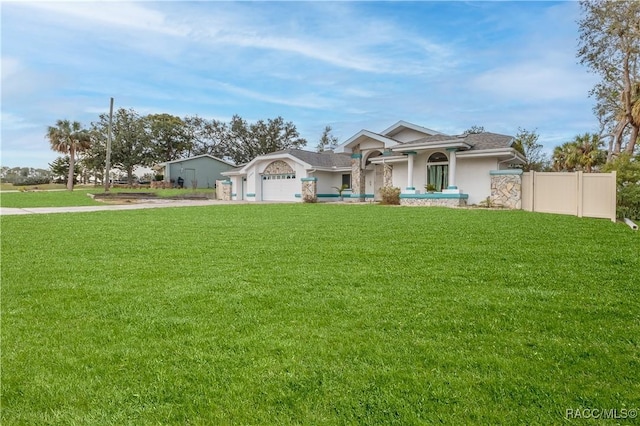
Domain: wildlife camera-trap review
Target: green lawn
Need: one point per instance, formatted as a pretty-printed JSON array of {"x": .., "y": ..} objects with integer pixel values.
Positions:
[
  {"x": 317, "y": 314},
  {"x": 78, "y": 197},
  {"x": 63, "y": 198}
]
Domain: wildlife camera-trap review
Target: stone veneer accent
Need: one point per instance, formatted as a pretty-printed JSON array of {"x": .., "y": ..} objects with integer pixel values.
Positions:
[
  {"x": 506, "y": 188},
  {"x": 441, "y": 202},
  {"x": 278, "y": 167},
  {"x": 357, "y": 175},
  {"x": 387, "y": 175},
  {"x": 225, "y": 190},
  {"x": 309, "y": 190}
]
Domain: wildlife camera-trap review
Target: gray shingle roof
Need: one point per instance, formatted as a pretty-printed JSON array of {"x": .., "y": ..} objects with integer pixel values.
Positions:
[
  {"x": 318, "y": 159},
  {"x": 478, "y": 141},
  {"x": 488, "y": 140}
]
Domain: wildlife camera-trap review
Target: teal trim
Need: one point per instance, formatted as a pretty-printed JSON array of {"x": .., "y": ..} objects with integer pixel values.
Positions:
[
  {"x": 410, "y": 188},
  {"x": 388, "y": 153},
  {"x": 505, "y": 172},
  {"x": 452, "y": 187},
  {"x": 226, "y": 182},
  {"x": 452, "y": 149},
  {"x": 410, "y": 153},
  {"x": 436, "y": 195},
  {"x": 233, "y": 194},
  {"x": 298, "y": 195},
  {"x": 358, "y": 196},
  {"x": 309, "y": 179},
  {"x": 356, "y": 155},
  {"x": 251, "y": 194}
]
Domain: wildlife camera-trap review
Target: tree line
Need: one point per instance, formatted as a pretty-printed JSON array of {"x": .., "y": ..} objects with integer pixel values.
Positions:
[{"x": 139, "y": 140}]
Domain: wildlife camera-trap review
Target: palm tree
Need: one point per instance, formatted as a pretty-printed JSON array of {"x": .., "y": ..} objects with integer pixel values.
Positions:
[
  {"x": 565, "y": 157},
  {"x": 582, "y": 153},
  {"x": 68, "y": 138},
  {"x": 588, "y": 151}
]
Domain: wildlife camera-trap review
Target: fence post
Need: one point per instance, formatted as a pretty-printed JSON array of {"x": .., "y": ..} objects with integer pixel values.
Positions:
[
  {"x": 580, "y": 193},
  {"x": 614, "y": 195},
  {"x": 532, "y": 192}
]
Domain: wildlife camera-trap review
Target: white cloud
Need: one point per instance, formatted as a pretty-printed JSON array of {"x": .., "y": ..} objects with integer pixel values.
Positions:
[
  {"x": 127, "y": 15},
  {"x": 537, "y": 81},
  {"x": 12, "y": 121},
  {"x": 307, "y": 101}
]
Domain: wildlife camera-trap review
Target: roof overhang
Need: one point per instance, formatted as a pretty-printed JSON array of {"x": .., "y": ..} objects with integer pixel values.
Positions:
[
  {"x": 274, "y": 156},
  {"x": 504, "y": 153},
  {"x": 400, "y": 125},
  {"x": 331, "y": 169},
  {"x": 423, "y": 146},
  {"x": 382, "y": 159},
  {"x": 362, "y": 136}
]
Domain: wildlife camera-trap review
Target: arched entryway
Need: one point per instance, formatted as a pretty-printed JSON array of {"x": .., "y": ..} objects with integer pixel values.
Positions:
[
  {"x": 374, "y": 175},
  {"x": 438, "y": 171}
]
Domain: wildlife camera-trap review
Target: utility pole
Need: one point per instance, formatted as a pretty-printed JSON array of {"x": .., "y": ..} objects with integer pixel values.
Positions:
[{"x": 108, "y": 165}]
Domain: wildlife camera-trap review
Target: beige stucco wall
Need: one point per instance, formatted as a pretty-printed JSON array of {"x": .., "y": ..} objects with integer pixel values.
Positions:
[
  {"x": 370, "y": 144},
  {"x": 236, "y": 187},
  {"x": 473, "y": 178},
  {"x": 400, "y": 175},
  {"x": 327, "y": 181}
]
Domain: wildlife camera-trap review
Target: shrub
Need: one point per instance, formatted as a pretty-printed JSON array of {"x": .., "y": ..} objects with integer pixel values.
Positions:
[
  {"x": 628, "y": 180},
  {"x": 390, "y": 195},
  {"x": 629, "y": 202},
  {"x": 158, "y": 178},
  {"x": 32, "y": 181}
]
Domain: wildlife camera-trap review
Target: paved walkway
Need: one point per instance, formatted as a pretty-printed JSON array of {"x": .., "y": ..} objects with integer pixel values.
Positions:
[{"x": 147, "y": 204}]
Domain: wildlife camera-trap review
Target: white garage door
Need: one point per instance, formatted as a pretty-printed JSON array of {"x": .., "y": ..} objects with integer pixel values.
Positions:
[{"x": 282, "y": 187}]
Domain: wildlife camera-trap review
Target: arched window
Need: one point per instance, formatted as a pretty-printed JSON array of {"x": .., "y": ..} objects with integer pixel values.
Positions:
[{"x": 438, "y": 171}]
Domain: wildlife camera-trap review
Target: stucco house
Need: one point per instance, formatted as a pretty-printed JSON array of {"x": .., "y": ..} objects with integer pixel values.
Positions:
[
  {"x": 201, "y": 170},
  {"x": 404, "y": 155}
]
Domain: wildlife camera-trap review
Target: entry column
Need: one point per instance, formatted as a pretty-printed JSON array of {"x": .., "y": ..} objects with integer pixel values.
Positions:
[
  {"x": 357, "y": 176},
  {"x": 452, "y": 188},
  {"x": 410, "y": 157}
]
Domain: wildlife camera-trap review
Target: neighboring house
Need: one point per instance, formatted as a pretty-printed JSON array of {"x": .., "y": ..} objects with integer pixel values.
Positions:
[
  {"x": 405, "y": 155},
  {"x": 201, "y": 171}
]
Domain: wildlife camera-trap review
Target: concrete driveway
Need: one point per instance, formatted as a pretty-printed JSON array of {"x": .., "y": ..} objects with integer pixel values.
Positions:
[{"x": 147, "y": 204}]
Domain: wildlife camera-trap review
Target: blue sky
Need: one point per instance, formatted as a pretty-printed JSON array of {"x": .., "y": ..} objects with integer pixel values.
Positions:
[{"x": 352, "y": 65}]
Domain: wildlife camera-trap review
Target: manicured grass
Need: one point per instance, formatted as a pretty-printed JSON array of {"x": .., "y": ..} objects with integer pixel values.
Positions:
[
  {"x": 317, "y": 314},
  {"x": 63, "y": 198},
  {"x": 79, "y": 197}
]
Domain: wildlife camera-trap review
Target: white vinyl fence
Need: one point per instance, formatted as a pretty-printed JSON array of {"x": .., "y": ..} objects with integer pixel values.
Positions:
[{"x": 580, "y": 194}]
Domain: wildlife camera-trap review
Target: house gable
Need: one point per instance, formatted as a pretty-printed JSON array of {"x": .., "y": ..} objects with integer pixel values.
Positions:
[
  {"x": 365, "y": 139},
  {"x": 403, "y": 131}
]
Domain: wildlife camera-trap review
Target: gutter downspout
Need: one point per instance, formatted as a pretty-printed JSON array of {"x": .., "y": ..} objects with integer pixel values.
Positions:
[{"x": 631, "y": 224}]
